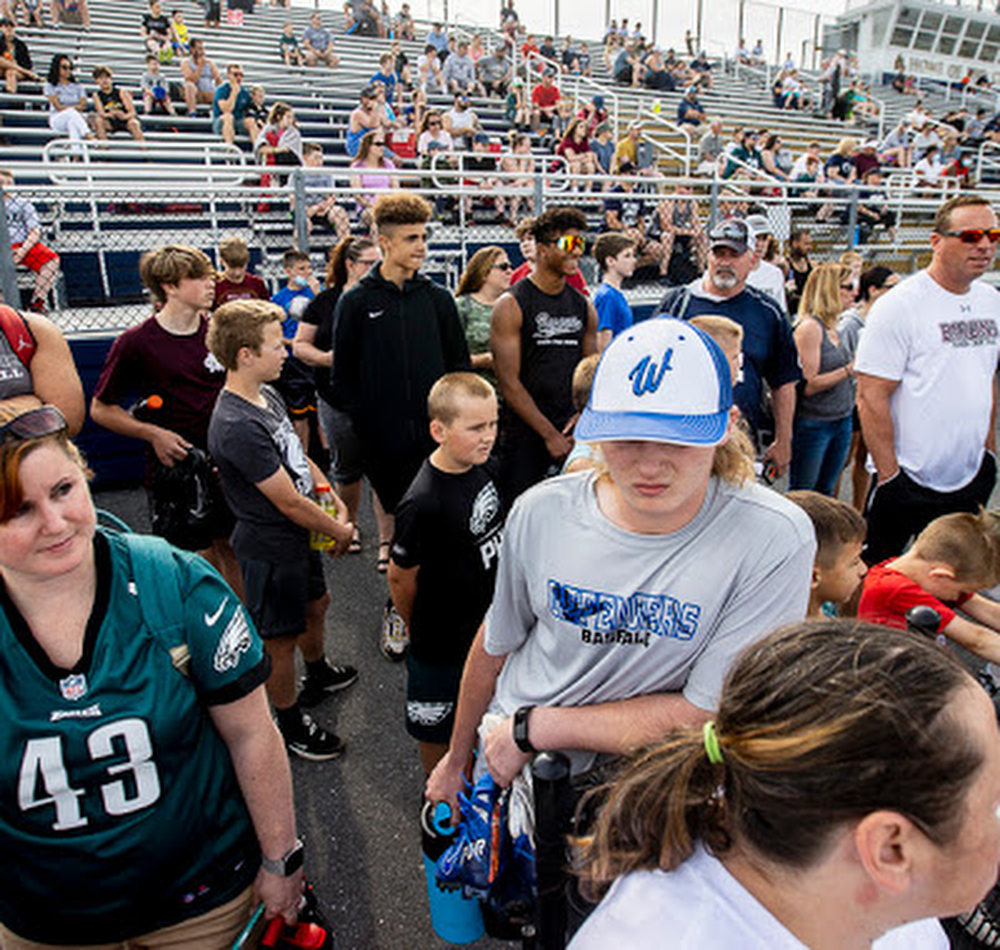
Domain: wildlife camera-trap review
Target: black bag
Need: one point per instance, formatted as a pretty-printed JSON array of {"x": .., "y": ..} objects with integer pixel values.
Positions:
[{"x": 184, "y": 501}]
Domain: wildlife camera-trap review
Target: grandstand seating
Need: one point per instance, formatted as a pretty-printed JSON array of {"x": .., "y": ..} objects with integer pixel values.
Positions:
[{"x": 103, "y": 212}]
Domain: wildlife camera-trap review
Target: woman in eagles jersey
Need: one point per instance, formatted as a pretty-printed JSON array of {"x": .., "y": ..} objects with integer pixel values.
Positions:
[
  {"x": 846, "y": 791},
  {"x": 141, "y": 777}
]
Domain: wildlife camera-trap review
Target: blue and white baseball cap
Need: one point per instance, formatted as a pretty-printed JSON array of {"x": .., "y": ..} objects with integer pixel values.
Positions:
[{"x": 662, "y": 380}]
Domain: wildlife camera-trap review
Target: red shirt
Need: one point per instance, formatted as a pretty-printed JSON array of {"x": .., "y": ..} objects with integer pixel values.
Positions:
[
  {"x": 250, "y": 288},
  {"x": 888, "y": 595},
  {"x": 545, "y": 96},
  {"x": 574, "y": 280}
]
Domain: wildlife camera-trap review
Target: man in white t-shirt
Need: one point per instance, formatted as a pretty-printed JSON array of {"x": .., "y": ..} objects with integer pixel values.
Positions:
[
  {"x": 765, "y": 276},
  {"x": 926, "y": 367}
]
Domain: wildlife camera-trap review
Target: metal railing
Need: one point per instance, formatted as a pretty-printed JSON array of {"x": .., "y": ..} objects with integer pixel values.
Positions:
[
  {"x": 681, "y": 154},
  {"x": 100, "y": 228},
  {"x": 93, "y": 160}
]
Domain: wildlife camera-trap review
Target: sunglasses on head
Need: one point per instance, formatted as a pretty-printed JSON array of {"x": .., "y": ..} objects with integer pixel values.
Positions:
[
  {"x": 34, "y": 424},
  {"x": 974, "y": 235},
  {"x": 570, "y": 243}
]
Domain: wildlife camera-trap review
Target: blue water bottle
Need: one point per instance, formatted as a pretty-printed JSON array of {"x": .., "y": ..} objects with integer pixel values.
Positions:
[{"x": 454, "y": 918}]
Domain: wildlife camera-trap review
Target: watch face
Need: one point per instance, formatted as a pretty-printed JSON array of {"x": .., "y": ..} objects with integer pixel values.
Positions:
[{"x": 294, "y": 861}]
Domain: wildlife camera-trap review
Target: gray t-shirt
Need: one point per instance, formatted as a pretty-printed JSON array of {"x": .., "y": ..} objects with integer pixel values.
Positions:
[
  {"x": 249, "y": 444},
  {"x": 590, "y": 613}
]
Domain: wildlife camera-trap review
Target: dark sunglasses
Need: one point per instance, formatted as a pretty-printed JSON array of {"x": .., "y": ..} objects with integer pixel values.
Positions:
[
  {"x": 380, "y": 144},
  {"x": 506, "y": 265},
  {"x": 34, "y": 424},
  {"x": 974, "y": 235}
]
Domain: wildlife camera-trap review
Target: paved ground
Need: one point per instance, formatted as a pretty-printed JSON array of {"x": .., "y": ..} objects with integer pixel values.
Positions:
[{"x": 357, "y": 814}]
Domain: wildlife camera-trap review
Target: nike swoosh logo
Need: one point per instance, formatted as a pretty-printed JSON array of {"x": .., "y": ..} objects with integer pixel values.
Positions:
[
  {"x": 212, "y": 619},
  {"x": 375, "y": 315}
]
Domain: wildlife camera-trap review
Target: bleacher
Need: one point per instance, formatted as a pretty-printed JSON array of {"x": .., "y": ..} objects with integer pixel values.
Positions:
[{"x": 100, "y": 213}]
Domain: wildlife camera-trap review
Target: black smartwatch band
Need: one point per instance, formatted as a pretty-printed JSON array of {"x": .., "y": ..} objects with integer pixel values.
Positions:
[{"x": 521, "y": 739}]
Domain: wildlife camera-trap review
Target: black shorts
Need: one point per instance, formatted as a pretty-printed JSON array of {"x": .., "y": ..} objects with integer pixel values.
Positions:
[
  {"x": 277, "y": 593},
  {"x": 116, "y": 124},
  {"x": 297, "y": 387},
  {"x": 431, "y": 696}
]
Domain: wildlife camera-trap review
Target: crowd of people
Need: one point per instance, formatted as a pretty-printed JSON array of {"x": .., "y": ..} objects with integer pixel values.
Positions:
[
  {"x": 583, "y": 546},
  {"x": 519, "y": 632}
]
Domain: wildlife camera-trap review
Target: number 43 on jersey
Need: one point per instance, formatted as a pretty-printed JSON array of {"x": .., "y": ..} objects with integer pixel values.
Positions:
[{"x": 43, "y": 779}]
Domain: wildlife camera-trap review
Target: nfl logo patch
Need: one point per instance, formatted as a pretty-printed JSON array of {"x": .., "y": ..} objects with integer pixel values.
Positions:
[{"x": 73, "y": 686}]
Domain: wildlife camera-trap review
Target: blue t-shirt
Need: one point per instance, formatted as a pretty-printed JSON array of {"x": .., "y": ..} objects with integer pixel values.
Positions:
[
  {"x": 294, "y": 302},
  {"x": 613, "y": 311},
  {"x": 389, "y": 81},
  {"x": 242, "y": 101}
]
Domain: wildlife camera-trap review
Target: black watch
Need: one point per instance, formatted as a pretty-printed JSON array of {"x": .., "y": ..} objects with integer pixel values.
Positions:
[
  {"x": 521, "y": 739},
  {"x": 285, "y": 866}
]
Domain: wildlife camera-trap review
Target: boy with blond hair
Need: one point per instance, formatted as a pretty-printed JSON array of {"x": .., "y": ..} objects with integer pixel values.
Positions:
[
  {"x": 236, "y": 282},
  {"x": 268, "y": 480},
  {"x": 444, "y": 554},
  {"x": 952, "y": 559},
  {"x": 838, "y": 568}
]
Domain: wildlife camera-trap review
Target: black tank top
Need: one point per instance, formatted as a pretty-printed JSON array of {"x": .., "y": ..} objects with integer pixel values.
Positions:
[{"x": 552, "y": 331}]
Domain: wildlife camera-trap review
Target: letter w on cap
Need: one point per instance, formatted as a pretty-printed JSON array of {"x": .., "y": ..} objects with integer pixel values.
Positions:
[{"x": 646, "y": 376}]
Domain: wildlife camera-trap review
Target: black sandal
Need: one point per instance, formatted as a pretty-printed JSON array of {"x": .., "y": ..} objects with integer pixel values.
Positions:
[
  {"x": 355, "y": 546},
  {"x": 382, "y": 564}
]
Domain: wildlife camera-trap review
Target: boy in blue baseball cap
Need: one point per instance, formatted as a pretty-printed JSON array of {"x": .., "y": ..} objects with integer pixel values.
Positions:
[{"x": 624, "y": 592}]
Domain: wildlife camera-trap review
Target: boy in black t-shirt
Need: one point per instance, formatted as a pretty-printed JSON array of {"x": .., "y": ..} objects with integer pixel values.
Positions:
[{"x": 444, "y": 554}]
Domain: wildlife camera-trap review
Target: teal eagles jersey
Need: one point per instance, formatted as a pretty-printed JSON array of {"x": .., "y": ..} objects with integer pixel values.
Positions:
[{"x": 119, "y": 806}]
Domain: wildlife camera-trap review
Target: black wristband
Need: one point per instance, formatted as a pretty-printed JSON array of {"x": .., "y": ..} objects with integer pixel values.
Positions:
[{"x": 521, "y": 739}]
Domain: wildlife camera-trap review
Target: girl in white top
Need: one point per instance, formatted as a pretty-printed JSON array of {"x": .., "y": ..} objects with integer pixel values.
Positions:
[{"x": 845, "y": 794}]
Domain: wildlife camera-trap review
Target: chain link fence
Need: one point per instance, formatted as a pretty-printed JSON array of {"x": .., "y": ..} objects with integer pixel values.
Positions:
[{"x": 100, "y": 229}]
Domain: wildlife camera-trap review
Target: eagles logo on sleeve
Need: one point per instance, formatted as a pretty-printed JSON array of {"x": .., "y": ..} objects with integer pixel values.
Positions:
[{"x": 234, "y": 642}]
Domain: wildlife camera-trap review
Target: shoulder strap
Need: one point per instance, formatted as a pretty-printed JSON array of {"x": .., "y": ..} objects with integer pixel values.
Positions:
[
  {"x": 18, "y": 333},
  {"x": 154, "y": 570}
]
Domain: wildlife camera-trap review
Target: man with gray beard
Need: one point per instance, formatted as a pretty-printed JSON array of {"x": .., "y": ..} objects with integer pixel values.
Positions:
[
  {"x": 769, "y": 352},
  {"x": 540, "y": 329}
]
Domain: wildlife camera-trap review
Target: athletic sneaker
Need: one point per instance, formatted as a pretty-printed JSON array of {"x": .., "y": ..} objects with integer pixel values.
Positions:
[
  {"x": 329, "y": 679},
  {"x": 395, "y": 636},
  {"x": 311, "y": 741}
]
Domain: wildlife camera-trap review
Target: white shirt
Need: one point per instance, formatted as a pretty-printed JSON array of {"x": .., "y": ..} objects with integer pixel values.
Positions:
[
  {"x": 942, "y": 348},
  {"x": 701, "y": 906},
  {"x": 768, "y": 278}
]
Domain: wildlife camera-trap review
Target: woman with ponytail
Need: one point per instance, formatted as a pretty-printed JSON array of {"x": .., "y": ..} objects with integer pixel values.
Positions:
[{"x": 845, "y": 791}]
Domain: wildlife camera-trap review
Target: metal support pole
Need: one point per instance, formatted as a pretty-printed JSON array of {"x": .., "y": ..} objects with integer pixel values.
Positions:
[
  {"x": 301, "y": 221},
  {"x": 781, "y": 23},
  {"x": 852, "y": 220},
  {"x": 713, "y": 206},
  {"x": 8, "y": 269},
  {"x": 656, "y": 19},
  {"x": 607, "y": 13},
  {"x": 555, "y": 17},
  {"x": 816, "y": 46},
  {"x": 739, "y": 33},
  {"x": 539, "y": 193}
]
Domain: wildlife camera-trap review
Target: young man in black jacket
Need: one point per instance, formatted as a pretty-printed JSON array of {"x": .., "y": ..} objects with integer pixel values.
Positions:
[{"x": 397, "y": 333}]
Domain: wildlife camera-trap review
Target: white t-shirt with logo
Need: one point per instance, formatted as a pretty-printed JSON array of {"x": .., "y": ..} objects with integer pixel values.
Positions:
[
  {"x": 701, "y": 906},
  {"x": 942, "y": 348}
]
